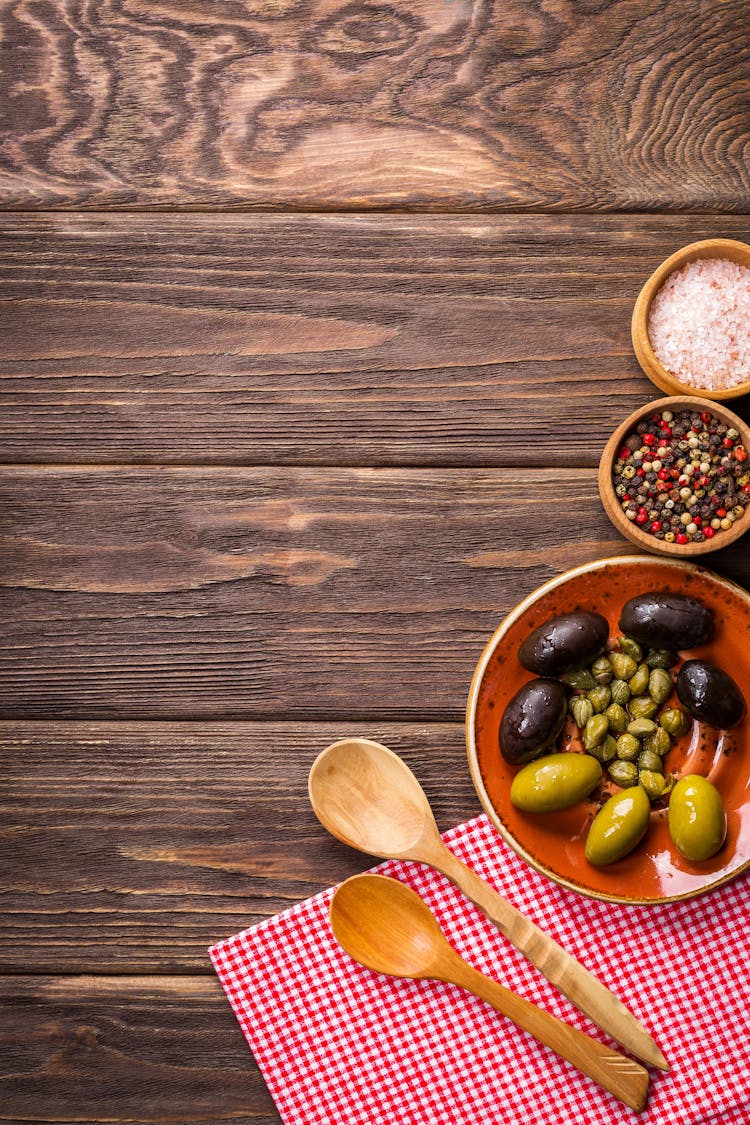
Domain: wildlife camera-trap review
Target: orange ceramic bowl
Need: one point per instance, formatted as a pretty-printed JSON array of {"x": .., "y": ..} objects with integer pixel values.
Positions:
[{"x": 553, "y": 843}]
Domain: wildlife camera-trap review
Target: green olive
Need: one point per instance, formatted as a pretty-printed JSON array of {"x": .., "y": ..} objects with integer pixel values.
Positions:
[
  {"x": 554, "y": 782},
  {"x": 618, "y": 826},
  {"x": 697, "y": 820}
]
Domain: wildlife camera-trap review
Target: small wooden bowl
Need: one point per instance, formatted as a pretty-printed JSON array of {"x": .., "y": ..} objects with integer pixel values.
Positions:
[
  {"x": 664, "y": 379},
  {"x": 632, "y": 531}
]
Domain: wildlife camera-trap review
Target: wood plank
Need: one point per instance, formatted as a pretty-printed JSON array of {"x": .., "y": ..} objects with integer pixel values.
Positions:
[
  {"x": 141, "y": 1051},
  {"x": 357, "y": 340},
  {"x": 625, "y": 104},
  {"x": 308, "y": 593},
  {"x": 133, "y": 847}
]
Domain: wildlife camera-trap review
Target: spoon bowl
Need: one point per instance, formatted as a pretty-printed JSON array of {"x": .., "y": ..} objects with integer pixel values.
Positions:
[
  {"x": 368, "y": 798},
  {"x": 387, "y": 927}
]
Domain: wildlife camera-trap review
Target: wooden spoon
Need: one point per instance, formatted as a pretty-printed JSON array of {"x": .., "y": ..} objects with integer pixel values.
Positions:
[
  {"x": 367, "y": 797},
  {"x": 387, "y": 927}
]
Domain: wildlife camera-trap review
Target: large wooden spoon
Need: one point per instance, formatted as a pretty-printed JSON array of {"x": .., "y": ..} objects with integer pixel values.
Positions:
[
  {"x": 385, "y": 926},
  {"x": 367, "y": 797}
]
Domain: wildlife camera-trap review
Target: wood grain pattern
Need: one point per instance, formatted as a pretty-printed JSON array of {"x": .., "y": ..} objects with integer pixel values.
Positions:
[
  {"x": 133, "y": 847},
  {"x": 136, "y": 1050},
  {"x": 515, "y": 105},
  {"x": 316, "y": 593},
  {"x": 324, "y": 340}
]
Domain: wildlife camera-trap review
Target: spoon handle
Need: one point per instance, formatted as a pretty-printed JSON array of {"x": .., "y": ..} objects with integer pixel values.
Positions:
[
  {"x": 620, "y": 1076},
  {"x": 560, "y": 968}
]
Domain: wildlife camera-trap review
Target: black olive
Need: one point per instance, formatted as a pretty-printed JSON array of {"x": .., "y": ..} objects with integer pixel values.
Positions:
[
  {"x": 532, "y": 720},
  {"x": 709, "y": 694},
  {"x": 564, "y": 642},
  {"x": 664, "y": 620}
]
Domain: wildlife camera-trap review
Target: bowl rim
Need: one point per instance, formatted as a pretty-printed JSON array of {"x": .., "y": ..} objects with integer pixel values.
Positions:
[
  {"x": 471, "y": 708},
  {"x": 612, "y": 507},
  {"x": 650, "y": 365}
]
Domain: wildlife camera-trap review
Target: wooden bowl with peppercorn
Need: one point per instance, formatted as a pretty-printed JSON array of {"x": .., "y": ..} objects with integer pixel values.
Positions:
[{"x": 652, "y": 464}]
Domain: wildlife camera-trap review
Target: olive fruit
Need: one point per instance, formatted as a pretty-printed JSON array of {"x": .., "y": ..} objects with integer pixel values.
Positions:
[
  {"x": 555, "y": 782},
  {"x": 667, "y": 621},
  {"x": 564, "y": 643},
  {"x": 710, "y": 694},
  {"x": 532, "y": 720},
  {"x": 619, "y": 825},
  {"x": 696, "y": 817}
]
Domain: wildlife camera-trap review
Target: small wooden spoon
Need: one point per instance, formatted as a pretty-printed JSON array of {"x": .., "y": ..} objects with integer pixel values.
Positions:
[
  {"x": 387, "y": 927},
  {"x": 367, "y": 797}
]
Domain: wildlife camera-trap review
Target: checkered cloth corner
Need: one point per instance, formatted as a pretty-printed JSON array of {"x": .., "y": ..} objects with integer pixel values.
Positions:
[{"x": 340, "y": 1045}]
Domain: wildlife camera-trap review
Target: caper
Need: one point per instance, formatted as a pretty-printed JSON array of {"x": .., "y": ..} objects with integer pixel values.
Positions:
[
  {"x": 600, "y": 698},
  {"x": 624, "y": 666},
  {"x": 595, "y": 730},
  {"x": 580, "y": 680},
  {"x": 674, "y": 721},
  {"x": 641, "y": 727},
  {"x": 628, "y": 748},
  {"x": 581, "y": 710},
  {"x": 618, "y": 718},
  {"x": 649, "y": 760},
  {"x": 605, "y": 751},
  {"x": 620, "y": 692},
  {"x": 659, "y": 685},
  {"x": 622, "y": 773},
  {"x": 638, "y": 682},
  {"x": 643, "y": 707},
  {"x": 653, "y": 782},
  {"x": 630, "y": 647},
  {"x": 601, "y": 670},
  {"x": 659, "y": 742},
  {"x": 661, "y": 658}
]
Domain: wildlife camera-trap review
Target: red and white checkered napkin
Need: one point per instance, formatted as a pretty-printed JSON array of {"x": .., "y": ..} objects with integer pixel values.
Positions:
[{"x": 341, "y": 1045}]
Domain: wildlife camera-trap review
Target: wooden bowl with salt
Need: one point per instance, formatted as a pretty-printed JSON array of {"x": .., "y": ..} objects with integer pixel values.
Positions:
[
  {"x": 677, "y": 405},
  {"x": 722, "y": 249}
]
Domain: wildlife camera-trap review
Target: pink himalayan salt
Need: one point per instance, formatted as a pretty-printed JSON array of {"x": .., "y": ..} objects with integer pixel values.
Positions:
[{"x": 699, "y": 324}]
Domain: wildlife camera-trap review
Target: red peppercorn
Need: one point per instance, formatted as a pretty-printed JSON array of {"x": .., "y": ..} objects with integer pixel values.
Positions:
[
  {"x": 697, "y": 521},
  {"x": 656, "y": 525},
  {"x": 649, "y": 439},
  {"x": 721, "y": 512},
  {"x": 746, "y": 488},
  {"x": 663, "y": 474},
  {"x": 727, "y": 443},
  {"x": 666, "y": 431},
  {"x": 709, "y": 532},
  {"x": 740, "y": 453},
  {"x": 703, "y": 481},
  {"x": 623, "y": 453},
  {"x": 696, "y": 427},
  {"x": 705, "y": 417},
  {"x": 640, "y": 472},
  {"x": 641, "y": 516},
  {"x": 680, "y": 537}
]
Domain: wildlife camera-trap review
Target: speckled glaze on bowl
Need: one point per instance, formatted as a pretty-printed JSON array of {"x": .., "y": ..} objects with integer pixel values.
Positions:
[{"x": 553, "y": 843}]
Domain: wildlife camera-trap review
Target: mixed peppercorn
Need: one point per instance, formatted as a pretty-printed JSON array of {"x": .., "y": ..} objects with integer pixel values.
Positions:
[{"x": 683, "y": 477}]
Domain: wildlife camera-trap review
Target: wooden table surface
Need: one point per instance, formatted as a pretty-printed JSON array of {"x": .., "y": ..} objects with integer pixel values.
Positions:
[{"x": 315, "y": 321}]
